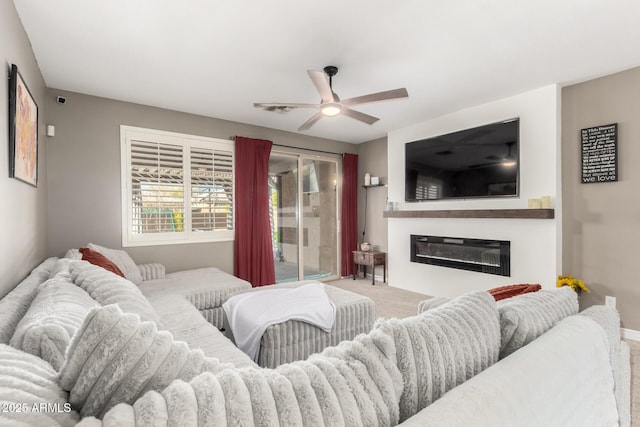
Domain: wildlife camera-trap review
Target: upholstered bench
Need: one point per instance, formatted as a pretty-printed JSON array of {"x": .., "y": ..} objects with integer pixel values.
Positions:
[
  {"x": 294, "y": 340},
  {"x": 206, "y": 288}
]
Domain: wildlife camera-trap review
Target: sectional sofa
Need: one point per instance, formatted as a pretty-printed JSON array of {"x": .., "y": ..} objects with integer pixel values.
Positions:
[{"x": 79, "y": 344}]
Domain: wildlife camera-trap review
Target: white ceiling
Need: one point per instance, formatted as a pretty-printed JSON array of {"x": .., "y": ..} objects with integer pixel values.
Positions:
[{"x": 216, "y": 58}]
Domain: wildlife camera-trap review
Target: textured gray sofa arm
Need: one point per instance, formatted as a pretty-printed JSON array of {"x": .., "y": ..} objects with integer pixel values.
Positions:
[
  {"x": 609, "y": 319},
  {"x": 430, "y": 303},
  {"x": 152, "y": 271},
  {"x": 622, "y": 378}
]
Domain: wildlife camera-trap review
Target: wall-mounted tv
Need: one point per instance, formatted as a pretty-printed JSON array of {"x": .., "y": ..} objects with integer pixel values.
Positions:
[{"x": 478, "y": 162}]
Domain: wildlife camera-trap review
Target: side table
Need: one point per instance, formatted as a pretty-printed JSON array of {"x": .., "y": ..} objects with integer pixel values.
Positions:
[{"x": 370, "y": 258}]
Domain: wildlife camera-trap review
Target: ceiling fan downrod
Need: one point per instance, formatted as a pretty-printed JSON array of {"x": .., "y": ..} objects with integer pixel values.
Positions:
[{"x": 331, "y": 71}]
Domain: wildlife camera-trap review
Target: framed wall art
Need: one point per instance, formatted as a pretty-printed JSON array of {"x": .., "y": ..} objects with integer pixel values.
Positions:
[
  {"x": 23, "y": 130},
  {"x": 599, "y": 153}
]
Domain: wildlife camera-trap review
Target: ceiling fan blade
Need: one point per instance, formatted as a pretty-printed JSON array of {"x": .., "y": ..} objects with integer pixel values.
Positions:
[
  {"x": 321, "y": 82},
  {"x": 282, "y": 105},
  {"x": 358, "y": 115},
  {"x": 374, "y": 97},
  {"x": 306, "y": 125}
]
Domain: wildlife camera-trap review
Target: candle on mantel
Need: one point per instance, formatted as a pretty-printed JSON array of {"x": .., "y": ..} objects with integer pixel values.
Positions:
[
  {"x": 534, "y": 203},
  {"x": 545, "y": 202}
]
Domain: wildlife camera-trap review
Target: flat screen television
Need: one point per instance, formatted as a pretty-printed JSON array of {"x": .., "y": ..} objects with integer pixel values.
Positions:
[{"x": 478, "y": 162}]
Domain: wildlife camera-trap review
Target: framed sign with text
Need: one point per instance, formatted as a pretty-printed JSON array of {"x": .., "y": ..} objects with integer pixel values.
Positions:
[{"x": 599, "y": 153}]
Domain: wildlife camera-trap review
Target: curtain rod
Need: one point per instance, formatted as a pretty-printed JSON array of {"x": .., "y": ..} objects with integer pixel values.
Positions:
[
  {"x": 233, "y": 138},
  {"x": 308, "y": 149}
]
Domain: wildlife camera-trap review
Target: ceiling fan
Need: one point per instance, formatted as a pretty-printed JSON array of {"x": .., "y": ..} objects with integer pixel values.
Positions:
[
  {"x": 508, "y": 161},
  {"x": 330, "y": 104}
]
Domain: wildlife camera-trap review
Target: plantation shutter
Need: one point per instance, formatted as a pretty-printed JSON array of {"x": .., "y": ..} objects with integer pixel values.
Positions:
[
  {"x": 211, "y": 189},
  {"x": 157, "y": 188},
  {"x": 428, "y": 189},
  {"x": 176, "y": 188}
]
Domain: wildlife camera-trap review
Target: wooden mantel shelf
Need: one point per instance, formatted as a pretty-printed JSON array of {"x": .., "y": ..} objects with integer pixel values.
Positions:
[{"x": 474, "y": 213}]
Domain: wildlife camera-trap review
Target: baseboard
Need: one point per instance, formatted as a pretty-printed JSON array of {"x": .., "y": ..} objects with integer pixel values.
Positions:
[{"x": 630, "y": 334}]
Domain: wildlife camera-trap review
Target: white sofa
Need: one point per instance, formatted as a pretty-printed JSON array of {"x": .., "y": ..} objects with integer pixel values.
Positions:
[{"x": 121, "y": 367}]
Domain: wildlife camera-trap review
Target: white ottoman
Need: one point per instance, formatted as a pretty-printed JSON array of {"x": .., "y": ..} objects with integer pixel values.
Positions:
[{"x": 294, "y": 340}]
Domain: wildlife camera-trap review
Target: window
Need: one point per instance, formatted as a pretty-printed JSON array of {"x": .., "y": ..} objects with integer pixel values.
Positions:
[
  {"x": 175, "y": 188},
  {"x": 428, "y": 188}
]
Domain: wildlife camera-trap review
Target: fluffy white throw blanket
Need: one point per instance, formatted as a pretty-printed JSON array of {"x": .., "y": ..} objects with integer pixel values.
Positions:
[
  {"x": 561, "y": 379},
  {"x": 250, "y": 314}
]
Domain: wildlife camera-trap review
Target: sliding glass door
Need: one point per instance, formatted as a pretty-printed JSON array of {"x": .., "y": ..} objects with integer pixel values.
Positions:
[
  {"x": 283, "y": 189},
  {"x": 319, "y": 219},
  {"x": 304, "y": 219}
]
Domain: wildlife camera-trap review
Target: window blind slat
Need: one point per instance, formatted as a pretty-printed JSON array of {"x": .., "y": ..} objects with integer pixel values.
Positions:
[
  {"x": 157, "y": 169},
  {"x": 211, "y": 189}
]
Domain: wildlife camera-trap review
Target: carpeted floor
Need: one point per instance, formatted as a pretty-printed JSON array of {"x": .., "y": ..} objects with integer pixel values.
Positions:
[
  {"x": 390, "y": 302},
  {"x": 394, "y": 302}
]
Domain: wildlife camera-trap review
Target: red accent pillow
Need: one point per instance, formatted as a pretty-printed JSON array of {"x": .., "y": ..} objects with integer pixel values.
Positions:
[
  {"x": 503, "y": 292},
  {"x": 96, "y": 258}
]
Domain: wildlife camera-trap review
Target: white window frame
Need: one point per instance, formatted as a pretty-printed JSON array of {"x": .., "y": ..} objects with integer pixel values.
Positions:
[{"x": 131, "y": 133}]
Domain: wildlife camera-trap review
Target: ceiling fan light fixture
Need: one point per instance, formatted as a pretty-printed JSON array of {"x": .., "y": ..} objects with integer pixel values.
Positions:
[
  {"x": 509, "y": 160},
  {"x": 331, "y": 109}
]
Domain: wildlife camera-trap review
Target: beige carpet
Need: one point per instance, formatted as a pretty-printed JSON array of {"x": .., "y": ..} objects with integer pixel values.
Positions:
[
  {"x": 393, "y": 302},
  {"x": 390, "y": 302}
]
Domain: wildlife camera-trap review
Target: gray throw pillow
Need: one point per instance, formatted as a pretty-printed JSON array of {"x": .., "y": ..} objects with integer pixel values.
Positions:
[
  {"x": 443, "y": 347},
  {"x": 524, "y": 318},
  {"x": 122, "y": 259},
  {"x": 53, "y": 318},
  {"x": 430, "y": 303},
  {"x": 108, "y": 288}
]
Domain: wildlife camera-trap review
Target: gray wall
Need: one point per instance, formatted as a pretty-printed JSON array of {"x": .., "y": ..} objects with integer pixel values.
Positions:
[
  {"x": 372, "y": 158},
  {"x": 601, "y": 222},
  {"x": 84, "y": 173},
  {"x": 24, "y": 208}
]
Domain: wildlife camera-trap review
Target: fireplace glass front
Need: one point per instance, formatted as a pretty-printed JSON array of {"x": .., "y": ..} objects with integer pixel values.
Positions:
[{"x": 482, "y": 255}]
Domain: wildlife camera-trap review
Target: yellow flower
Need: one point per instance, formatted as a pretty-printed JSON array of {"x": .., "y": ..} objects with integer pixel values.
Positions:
[
  {"x": 582, "y": 286},
  {"x": 575, "y": 284},
  {"x": 564, "y": 281}
]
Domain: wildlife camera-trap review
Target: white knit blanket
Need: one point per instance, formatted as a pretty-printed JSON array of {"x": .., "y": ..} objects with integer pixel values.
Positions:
[{"x": 250, "y": 314}]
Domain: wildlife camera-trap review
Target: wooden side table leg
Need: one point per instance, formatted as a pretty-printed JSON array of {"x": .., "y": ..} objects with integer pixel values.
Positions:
[
  {"x": 384, "y": 272},
  {"x": 354, "y": 270},
  {"x": 373, "y": 275}
]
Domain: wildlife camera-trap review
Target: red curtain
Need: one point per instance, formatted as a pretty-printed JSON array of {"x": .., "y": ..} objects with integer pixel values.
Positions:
[
  {"x": 349, "y": 232},
  {"x": 253, "y": 250}
]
